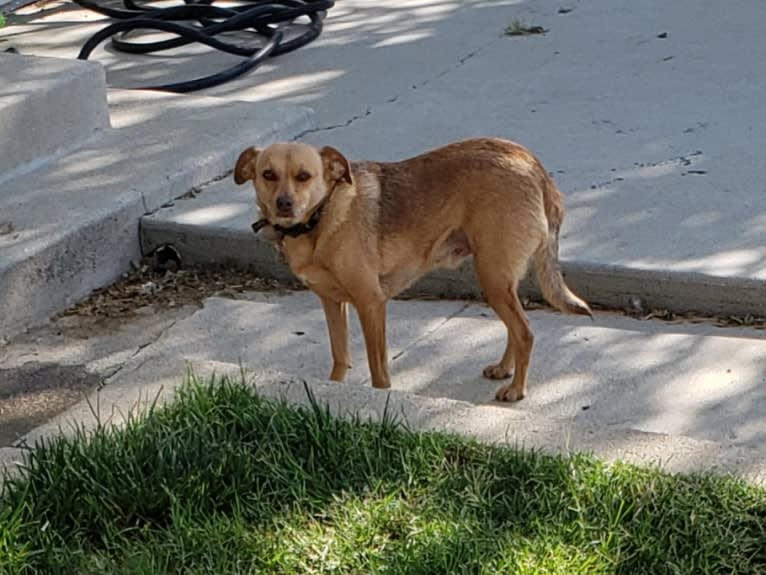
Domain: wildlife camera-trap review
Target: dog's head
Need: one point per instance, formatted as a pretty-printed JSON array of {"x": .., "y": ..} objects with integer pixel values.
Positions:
[{"x": 290, "y": 179}]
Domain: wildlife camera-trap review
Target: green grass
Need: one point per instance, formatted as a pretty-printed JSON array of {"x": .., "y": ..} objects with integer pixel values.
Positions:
[{"x": 223, "y": 481}]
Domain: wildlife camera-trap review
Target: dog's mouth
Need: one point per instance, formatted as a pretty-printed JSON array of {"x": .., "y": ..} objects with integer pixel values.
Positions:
[
  {"x": 274, "y": 216},
  {"x": 285, "y": 219}
]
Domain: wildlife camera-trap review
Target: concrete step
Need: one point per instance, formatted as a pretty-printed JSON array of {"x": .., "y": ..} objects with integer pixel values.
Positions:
[
  {"x": 689, "y": 380},
  {"x": 72, "y": 225},
  {"x": 47, "y": 106},
  {"x": 214, "y": 226}
]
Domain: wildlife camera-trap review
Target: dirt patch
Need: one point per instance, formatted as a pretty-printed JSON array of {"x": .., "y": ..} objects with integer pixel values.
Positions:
[
  {"x": 668, "y": 316},
  {"x": 32, "y": 394},
  {"x": 151, "y": 287},
  {"x": 640, "y": 313}
]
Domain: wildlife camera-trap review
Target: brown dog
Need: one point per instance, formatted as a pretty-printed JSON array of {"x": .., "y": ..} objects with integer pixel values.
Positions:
[{"x": 363, "y": 232}]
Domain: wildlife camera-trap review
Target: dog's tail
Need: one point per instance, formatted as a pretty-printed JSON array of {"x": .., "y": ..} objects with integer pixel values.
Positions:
[{"x": 549, "y": 276}]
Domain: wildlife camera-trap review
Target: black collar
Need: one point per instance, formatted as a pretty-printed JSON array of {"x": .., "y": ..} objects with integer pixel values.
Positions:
[{"x": 295, "y": 230}]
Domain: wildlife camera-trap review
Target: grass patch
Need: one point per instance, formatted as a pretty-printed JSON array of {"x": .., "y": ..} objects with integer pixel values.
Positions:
[
  {"x": 516, "y": 28},
  {"x": 223, "y": 481}
]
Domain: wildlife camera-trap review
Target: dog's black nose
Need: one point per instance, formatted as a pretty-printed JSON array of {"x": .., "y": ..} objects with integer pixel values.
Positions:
[{"x": 284, "y": 203}]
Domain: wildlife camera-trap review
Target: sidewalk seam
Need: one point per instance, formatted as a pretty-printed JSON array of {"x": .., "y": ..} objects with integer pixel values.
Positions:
[
  {"x": 142, "y": 346},
  {"x": 416, "y": 341}
]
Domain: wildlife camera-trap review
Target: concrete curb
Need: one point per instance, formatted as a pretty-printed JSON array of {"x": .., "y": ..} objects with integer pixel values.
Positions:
[
  {"x": 488, "y": 424},
  {"x": 224, "y": 236},
  {"x": 72, "y": 226}
]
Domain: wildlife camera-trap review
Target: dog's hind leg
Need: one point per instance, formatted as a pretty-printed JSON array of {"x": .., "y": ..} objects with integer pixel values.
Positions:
[
  {"x": 520, "y": 341},
  {"x": 499, "y": 272}
]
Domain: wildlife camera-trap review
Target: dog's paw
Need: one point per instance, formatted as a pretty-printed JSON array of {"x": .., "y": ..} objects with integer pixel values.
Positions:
[
  {"x": 509, "y": 393},
  {"x": 339, "y": 373},
  {"x": 496, "y": 372}
]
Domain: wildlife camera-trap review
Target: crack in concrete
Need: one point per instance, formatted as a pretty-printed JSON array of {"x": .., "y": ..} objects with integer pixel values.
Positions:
[
  {"x": 115, "y": 370},
  {"x": 345, "y": 124},
  {"x": 682, "y": 161},
  {"x": 199, "y": 188},
  {"x": 370, "y": 109},
  {"x": 192, "y": 192},
  {"x": 432, "y": 331},
  {"x": 461, "y": 62}
]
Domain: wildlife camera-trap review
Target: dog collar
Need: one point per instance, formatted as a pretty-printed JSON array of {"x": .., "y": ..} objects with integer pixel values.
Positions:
[{"x": 292, "y": 231}]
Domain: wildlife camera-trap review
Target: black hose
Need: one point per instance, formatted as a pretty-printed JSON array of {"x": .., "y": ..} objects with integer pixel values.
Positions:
[{"x": 200, "y": 21}]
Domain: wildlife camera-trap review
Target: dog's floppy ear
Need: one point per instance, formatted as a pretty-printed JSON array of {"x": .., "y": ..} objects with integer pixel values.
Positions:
[
  {"x": 335, "y": 164},
  {"x": 245, "y": 168}
]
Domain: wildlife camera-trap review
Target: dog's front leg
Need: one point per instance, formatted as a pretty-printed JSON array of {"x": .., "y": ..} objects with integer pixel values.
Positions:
[
  {"x": 336, "y": 314},
  {"x": 372, "y": 316}
]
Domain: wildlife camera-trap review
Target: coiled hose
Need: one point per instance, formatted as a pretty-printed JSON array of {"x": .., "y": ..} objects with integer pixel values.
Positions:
[{"x": 200, "y": 21}]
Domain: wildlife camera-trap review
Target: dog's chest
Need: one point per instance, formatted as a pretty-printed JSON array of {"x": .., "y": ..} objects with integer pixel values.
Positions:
[{"x": 313, "y": 273}]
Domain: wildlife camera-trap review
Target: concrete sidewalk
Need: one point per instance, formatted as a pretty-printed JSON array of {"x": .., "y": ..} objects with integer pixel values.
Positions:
[
  {"x": 638, "y": 109},
  {"x": 686, "y": 396}
]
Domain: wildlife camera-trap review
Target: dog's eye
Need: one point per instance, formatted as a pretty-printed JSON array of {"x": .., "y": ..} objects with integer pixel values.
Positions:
[
  {"x": 269, "y": 175},
  {"x": 303, "y": 176}
]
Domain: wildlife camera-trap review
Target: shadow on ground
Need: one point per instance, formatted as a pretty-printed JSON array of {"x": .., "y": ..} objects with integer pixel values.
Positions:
[
  {"x": 689, "y": 380},
  {"x": 34, "y": 393}
]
